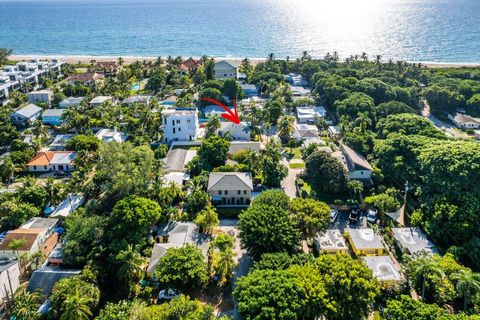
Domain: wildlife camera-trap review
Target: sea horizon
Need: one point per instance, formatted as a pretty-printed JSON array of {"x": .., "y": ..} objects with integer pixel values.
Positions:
[{"x": 424, "y": 31}]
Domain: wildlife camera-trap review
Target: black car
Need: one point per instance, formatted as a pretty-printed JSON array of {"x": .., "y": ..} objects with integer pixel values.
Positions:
[
  {"x": 354, "y": 215},
  {"x": 60, "y": 174}
]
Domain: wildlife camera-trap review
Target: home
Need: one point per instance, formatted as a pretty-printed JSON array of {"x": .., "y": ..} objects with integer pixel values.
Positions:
[
  {"x": 310, "y": 114},
  {"x": 237, "y": 146},
  {"x": 365, "y": 242},
  {"x": 464, "y": 121},
  {"x": 67, "y": 206},
  {"x": 87, "y": 79},
  {"x": 47, "y": 161},
  {"x": 305, "y": 132},
  {"x": 53, "y": 117},
  {"x": 240, "y": 131},
  {"x": 137, "y": 100},
  {"x": 40, "y": 96},
  {"x": 55, "y": 258},
  {"x": 70, "y": 102},
  {"x": 334, "y": 132},
  {"x": 226, "y": 69},
  {"x": 95, "y": 102},
  {"x": 230, "y": 188},
  {"x": 250, "y": 90},
  {"x": 413, "y": 241},
  {"x": 9, "y": 277},
  {"x": 180, "y": 125},
  {"x": 108, "y": 68},
  {"x": 37, "y": 234},
  {"x": 213, "y": 110},
  {"x": 331, "y": 241},
  {"x": 179, "y": 178},
  {"x": 26, "y": 115},
  {"x": 108, "y": 135},
  {"x": 177, "y": 158},
  {"x": 60, "y": 141},
  {"x": 176, "y": 235},
  {"x": 296, "y": 79},
  {"x": 383, "y": 268},
  {"x": 44, "y": 279},
  {"x": 356, "y": 165},
  {"x": 299, "y": 91},
  {"x": 189, "y": 65}
]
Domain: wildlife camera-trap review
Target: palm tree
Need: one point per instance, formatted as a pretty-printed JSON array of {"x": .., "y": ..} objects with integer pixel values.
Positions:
[
  {"x": 468, "y": 284},
  {"x": 16, "y": 244},
  {"x": 76, "y": 308},
  {"x": 363, "y": 121},
  {"x": 130, "y": 268},
  {"x": 422, "y": 268},
  {"x": 40, "y": 132},
  {"x": 285, "y": 127},
  {"x": 25, "y": 305}
]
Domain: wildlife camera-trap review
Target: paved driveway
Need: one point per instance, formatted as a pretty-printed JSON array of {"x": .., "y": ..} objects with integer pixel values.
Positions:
[{"x": 288, "y": 184}]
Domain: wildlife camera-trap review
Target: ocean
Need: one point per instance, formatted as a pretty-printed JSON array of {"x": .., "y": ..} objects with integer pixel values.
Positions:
[{"x": 413, "y": 30}]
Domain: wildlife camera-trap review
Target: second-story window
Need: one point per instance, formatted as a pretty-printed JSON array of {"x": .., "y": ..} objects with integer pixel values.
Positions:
[
  {"x": 226, "y": 192},
  {"x": 178, "y": 121}
]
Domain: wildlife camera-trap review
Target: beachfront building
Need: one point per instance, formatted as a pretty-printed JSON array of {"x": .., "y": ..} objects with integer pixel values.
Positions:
[
  {"x": 108, "y": 68},
  {"x": 240, "y": 131},
  {"x": 230, "y": 188},
  {"x": 26, "y": 75},
  {"x": 365, "y": 242},
  {"x": 180, "y": 125},
  {"x": 48, "y": 161},
  {"x": 189, "y": 65},
  {"x": 356, "y": 165},
  {"x": 226, "y": 69},
  {"x": 53, "y": 117},
  {"x": 26, "y": 116},
  {"x": 249, "y": 90},
  {"x": 70, "y": 102},
  {"x": 40, "y": 96},
  {"x": 331, "y": 241},
  {"x": 87, "y": 79},
  {"x": 309, "y": 115}
]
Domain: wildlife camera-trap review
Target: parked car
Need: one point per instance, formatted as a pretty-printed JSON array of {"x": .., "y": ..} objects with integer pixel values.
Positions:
[
  {"x": 334, "y": 214},
  {"x": 354, "y": 215},
  {"x": 60, "y": 174},
  {"x": 167, "y": 295},
  {"x": 372, "y": 216}
]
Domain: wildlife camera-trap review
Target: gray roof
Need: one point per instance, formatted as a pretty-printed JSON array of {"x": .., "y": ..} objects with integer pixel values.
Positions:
[
  {"x": 45, "y": 278},
  {"x": 358, "y": 160},
  {"x": 6, "y": 263},
  {"x": 236, "y": 146},
  {"x": 383, "y": 268},
  {"x": 413, "y": 240},
  {"x": 136, "y": 99},
  {"x": 175, "y": 160},
  {"x": 41, "y": 223},
  {"x": 28, "y": 111},
  {"x": 365, "y": 238},
  {"x": 179, "y": 234},
  {"x": 230, "y": 181},
  {"x": 332, "y": 239},
  {"x": 53, "y": 112},
  {"x": 248, "y": 86}
]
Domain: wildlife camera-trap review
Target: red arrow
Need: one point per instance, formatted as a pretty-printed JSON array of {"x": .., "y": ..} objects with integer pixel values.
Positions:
[{"x": 231, "y": 114}]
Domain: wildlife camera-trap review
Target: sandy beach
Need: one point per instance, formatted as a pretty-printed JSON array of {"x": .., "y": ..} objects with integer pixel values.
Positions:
[{"x": 131, "y": 59}]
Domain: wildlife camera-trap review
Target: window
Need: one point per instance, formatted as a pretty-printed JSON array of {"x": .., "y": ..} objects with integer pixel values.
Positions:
[
  {"x": 239, "y": 192},
  {"x": 226, "y": 192},
  {"x": 34, "y": 167},
  {"x": 219, "y": 192},
  {"x": 173, "y": 122},
  {"x": 173, "y": 130},
  {"x": 178, "y": 121},
  {"x": 179, "y": 129},
  {"x": 45, "y": 167},
  {"x": 189, "y": 121},
  {"x": 244, "y": 191}
]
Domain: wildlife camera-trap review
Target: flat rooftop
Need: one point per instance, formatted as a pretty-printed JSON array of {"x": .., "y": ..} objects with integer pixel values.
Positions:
[
  {"x": 332, "y": 239},
  {"x": 383, "y": 268},
  {"x": 413, "y": 240},
  {"x": 365, "y": 238}
]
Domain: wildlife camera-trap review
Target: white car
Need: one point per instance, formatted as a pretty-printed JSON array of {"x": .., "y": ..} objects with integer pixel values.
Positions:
[
  {"x": 372, "y": 216},
  {"x": 168, "y": 294},
  {"x": 334, "y": 214}
]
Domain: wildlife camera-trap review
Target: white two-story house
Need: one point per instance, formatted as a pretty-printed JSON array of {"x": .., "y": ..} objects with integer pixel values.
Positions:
[
  {"x": 226, "y": 70},
  {"x": 180, "y": 125}
]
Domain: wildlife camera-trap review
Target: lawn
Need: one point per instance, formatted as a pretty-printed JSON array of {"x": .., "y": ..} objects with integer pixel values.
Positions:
[
  {"x": 294, "y": 153},
  {"x": 229, "y": 213},
  {"x": 297, "y": 165}
]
